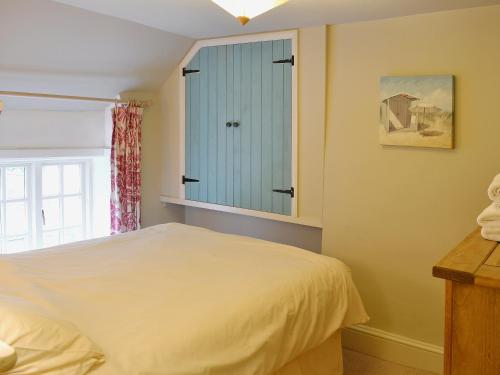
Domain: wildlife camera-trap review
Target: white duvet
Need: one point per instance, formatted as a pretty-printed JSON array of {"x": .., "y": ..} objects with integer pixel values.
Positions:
[{"x": 181, "y": 300}]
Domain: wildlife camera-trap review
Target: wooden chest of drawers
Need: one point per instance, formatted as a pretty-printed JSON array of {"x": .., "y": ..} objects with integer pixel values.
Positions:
[{"x": 472, "y": 316}]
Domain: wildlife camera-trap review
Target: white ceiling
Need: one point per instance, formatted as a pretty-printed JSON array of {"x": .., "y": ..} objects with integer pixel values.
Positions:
[
  {"x": 50, "y": 47},
  {"x": 203, "y": 19},
  {"x": 74, "y": 47}
]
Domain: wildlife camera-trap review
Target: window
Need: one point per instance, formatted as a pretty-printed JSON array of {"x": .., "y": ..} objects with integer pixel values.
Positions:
[
  {"x": 15, "y": 208},
  {"x": 46, "y": 203},
  {"x": 63, "y": 200}
]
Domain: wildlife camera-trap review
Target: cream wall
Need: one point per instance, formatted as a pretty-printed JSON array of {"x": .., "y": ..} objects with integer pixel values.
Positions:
[
  {"x": 392, "y": 212},
  {"x": 389, "y": 212},
  {"x": 311, "y": 112},
  {"x": 312, "y": 95},
  {"x": 170, "y": 132}
]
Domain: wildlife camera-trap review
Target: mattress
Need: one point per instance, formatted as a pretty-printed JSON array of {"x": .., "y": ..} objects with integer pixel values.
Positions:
[
  {"x": 325, "y": 359},
  {"x": 175, "y": 299}
]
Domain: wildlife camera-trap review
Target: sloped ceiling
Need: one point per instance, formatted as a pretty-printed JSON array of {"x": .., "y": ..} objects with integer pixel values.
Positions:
[
  {"x": 104, "y": 47},
  {"x": 50, "y": 47},
  {"x": 203, "y": 19}
]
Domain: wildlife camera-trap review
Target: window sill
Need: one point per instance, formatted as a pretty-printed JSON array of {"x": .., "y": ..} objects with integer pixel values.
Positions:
[{"x": 310, "y": 222}]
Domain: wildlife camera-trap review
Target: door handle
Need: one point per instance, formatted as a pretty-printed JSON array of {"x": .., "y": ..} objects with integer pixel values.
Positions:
[
  {"x": 236, "y": 124},
  {"x": 229, "y": 124}
]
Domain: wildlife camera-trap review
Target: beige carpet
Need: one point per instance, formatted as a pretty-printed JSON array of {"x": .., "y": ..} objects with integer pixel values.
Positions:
[{"x": 361, "y": 364}]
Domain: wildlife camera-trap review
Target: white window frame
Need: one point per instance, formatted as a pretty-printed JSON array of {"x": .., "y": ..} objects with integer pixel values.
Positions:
[
  {"x": 86, "y": 194},
  {"x": 34, "y": 195},
  {"x": 28, "y": 199},
  {"x": 294, "y": 215}
]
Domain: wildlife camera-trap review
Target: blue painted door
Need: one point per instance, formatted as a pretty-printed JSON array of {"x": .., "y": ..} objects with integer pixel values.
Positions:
[{"x": 239, "y": 126}]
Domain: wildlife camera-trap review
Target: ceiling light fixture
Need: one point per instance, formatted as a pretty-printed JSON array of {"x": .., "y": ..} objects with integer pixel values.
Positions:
[{"x": 244, "y": 10}]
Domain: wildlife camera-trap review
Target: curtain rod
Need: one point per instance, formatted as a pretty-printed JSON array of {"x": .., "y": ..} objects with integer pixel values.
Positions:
[{"x": 69, "y": 97}]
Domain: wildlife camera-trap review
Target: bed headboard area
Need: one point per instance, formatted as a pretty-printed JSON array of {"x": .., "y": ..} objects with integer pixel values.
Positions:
[{"x": 306, "y": 237}]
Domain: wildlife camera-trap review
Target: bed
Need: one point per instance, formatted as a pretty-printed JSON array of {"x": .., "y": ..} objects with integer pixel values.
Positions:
[{"x": 180, "y": 300}]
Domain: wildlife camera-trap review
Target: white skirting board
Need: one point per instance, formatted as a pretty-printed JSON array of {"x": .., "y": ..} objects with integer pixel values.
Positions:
[{"x": 394, "y": 348}]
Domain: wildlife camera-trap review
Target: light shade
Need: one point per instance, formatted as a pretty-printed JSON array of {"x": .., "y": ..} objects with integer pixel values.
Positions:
[{"x": 243, "y": 10}]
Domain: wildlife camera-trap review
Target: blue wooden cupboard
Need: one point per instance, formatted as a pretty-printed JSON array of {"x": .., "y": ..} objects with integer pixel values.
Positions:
[{"x": 238, "y": 126}]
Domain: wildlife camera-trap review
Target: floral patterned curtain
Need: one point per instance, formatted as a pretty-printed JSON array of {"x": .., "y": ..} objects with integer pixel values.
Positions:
[{"x": 126, "y": 169}]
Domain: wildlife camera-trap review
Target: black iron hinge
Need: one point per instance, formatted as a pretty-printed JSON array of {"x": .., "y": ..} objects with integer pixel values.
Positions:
[
  {"x": 189, "y": 71},
  {"x": 187, "y": 179},
  {"x": 291, "y": 192},
  {"x": 286, "y": 61}
]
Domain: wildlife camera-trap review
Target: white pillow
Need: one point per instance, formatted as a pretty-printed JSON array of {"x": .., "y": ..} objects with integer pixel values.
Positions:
[{"x": 44, "y": 344}]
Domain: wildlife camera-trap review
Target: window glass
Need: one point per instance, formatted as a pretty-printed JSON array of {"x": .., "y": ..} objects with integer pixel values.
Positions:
[
  {"x": 72, "y": 179},
  {"x": 73, "y": 234},
  {"x": 15, "y": 182},
  {"x": 50, "y": 180},
  {"x": 16, "y": 244},
  {"x": 2, "y": 221},
  {"x": 51, "y": 238},
  {"x": 16, "y": 214},
  {"x": 15, "y": 219},
  {"x": 51, "y": 213},
  {"x": 73, "y": 211},
  {"x": 45, "y": 203}
]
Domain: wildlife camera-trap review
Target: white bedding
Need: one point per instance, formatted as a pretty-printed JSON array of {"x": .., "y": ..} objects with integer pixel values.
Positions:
[{"x": 181, "y": 300}]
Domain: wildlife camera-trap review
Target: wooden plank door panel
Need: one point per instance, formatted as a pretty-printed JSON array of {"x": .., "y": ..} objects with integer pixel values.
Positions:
[
  {"x": 287, "y": 127},
  {"x": 256, "y": 127},
  {"x": 240, "y": 166},
  {"x": 192, "y": 130},
  {"x": 204, "y": 125},
  {"x": 212, "y": 124},
  {"x": 221, "y": 125},
  {"x": 237, "y": 61},
  {"x": 187, "y": 131},
  {"x": 267, "y": 127},
  {"x": 230, "y": 131},
  {"x": 195, "y": 127},
  {"x": 245, "y": 128},
  {"x": 278, "y": 126}
]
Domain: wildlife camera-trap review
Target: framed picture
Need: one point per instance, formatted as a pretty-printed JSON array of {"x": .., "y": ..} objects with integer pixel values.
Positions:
[{"x": 417, "y": 111}]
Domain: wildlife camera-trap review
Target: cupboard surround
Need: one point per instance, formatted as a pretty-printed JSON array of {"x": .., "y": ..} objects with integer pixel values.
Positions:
[
  {"x": 266, "y": 206},
  {"x": 310, "y": 78}
]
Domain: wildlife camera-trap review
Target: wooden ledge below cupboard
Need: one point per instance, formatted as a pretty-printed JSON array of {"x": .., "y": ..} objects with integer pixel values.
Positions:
[{"x": 472, "y": 312}]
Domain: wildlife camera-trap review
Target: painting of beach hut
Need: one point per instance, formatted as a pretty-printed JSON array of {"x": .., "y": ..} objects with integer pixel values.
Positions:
[{"x": 416, "y": 111}]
